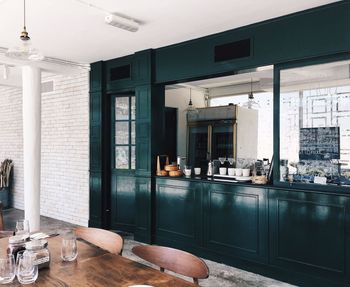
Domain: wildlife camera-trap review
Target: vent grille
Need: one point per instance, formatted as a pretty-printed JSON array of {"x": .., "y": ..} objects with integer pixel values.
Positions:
[
  {"x": 233, "y": 50},
  {"x": 119, "y": 73}
]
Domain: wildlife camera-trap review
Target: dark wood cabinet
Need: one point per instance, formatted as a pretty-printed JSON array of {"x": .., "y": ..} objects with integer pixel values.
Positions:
[
  {"x": 235, "y": 219},
  {"x": 294, "y": 235},
  {"x": 309, "y": 232},
  {"x": 178, "y": 216}
]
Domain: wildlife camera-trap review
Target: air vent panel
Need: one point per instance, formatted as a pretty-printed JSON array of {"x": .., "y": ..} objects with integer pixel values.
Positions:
[
  {"x": 233, "y": 50},
  {"x": 120, "y": 73}
]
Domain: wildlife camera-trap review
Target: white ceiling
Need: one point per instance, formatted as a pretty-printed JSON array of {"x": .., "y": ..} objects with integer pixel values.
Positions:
[{"x": 69, "y": 30}]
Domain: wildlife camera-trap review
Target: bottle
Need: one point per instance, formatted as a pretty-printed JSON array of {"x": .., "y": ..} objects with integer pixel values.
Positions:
[
  {"x": 210, "y": 168},
  {"x": 40, "y": 251}
]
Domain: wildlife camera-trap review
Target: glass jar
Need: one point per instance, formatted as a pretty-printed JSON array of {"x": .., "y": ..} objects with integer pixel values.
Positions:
[
  {"x": 40, "y": 251},
  {"x": 16, "y": 244}
]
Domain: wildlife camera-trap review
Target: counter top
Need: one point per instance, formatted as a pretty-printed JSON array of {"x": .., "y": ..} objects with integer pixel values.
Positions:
[
  {"x": 327, "y": 189},
  {"x": 207, "y": 179}
]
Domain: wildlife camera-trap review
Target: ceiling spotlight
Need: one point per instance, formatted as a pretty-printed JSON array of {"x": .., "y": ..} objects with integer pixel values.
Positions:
[{"x": 122, "y": 23}]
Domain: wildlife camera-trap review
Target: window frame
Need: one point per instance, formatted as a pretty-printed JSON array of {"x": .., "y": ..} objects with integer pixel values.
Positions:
[
  {"x": 131, "y": 144},
  {"x": 276, "y": 123}
]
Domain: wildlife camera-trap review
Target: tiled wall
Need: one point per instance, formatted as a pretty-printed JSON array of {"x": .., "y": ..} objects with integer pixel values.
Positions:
[{"x": 65, "y": 146}]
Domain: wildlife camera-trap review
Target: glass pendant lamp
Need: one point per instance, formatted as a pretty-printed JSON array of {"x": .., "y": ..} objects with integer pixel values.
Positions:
[
  {"x": 190, "y": 107},
  {"x": 251, "y": 103},
  {"x": 24, "y": 51}
]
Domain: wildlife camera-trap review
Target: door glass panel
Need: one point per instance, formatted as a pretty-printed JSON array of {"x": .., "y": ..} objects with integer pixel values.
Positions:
[
  {"x": 133, "y": 157},
  {"x": 133, "y": 108},
  {"x": 133, "y": 134},
  {"x": 121, "y": 133},
  {"x": 122, "y": 157},
  {"x": 222, "y": 141},
  {"x": 122, "y": 108},
  {"x": 198, "y": 146}
]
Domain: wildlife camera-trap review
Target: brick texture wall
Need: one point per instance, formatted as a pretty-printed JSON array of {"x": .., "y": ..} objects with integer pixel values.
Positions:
[{"x": 65, "y": 146}]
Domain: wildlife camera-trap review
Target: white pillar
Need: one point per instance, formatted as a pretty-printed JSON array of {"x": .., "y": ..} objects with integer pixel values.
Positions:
[{"x": 31, "y": 79}]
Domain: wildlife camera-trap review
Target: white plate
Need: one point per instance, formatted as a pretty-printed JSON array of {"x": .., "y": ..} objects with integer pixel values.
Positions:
[{"x": 243, "y": 178}]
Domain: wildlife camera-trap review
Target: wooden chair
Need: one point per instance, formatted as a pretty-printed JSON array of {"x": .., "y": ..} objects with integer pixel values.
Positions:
[
  {"x": 104, "y": 239},
  {"x": 174, "y": 260}
]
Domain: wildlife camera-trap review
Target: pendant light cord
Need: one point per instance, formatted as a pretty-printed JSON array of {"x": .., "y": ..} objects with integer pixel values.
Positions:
[{"x": 24, "y": 14}]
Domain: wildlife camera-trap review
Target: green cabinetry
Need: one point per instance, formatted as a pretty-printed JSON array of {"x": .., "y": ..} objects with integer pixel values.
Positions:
[
  {"x": 179, "y": 209},
  {"x": 309, "y": 232},
  {"x": 235, "y": 219},
  {"x": 294, "y": 235}
]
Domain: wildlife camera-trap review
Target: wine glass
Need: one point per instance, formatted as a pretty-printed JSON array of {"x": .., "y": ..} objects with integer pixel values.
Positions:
[
  {"x": 22, "y": 227},
  {"x": 27, "y": 270},
  {"x": 7, "y": 268},
  {"x": 69, "y": 249}
]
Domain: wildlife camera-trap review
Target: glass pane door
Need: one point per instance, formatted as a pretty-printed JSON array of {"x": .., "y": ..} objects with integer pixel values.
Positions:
[
  {"x": 198, "y": 146},
  {"x": 222, "y": 140}
]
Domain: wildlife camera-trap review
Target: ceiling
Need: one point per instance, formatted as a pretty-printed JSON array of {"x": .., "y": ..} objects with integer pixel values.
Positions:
[{"x": 70, "y": 30}]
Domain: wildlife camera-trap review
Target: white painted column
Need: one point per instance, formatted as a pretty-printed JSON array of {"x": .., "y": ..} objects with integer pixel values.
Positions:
[{"x": 31, "y": 80}]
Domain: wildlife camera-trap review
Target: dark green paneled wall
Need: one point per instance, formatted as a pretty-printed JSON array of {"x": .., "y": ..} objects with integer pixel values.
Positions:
[
  {"x": 312, "y": 33},
  {"x": 316, "y": 32}
]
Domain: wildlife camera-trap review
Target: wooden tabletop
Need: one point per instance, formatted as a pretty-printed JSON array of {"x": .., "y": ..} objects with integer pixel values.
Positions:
[{"x": 96, "y": 267}]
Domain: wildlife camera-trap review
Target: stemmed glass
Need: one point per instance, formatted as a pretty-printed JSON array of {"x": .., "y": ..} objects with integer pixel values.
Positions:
[
  {"x": 69, "y": 249},
  {"x": 231, "y": 160},
  {"x": 27, "y": 270},
  {"x": 22, "y": 227},
  {"x": 7, "y": 268}
]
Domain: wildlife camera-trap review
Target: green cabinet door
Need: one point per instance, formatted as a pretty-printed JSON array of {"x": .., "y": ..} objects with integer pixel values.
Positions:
[
  {"x": 178, "y": 216},
  {"x": 235, "y": 221},
  {"x": 309, "y": 233}
]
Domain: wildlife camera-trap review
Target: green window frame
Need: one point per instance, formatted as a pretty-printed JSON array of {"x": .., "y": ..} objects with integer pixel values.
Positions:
[{"x": 124, "y": 140}]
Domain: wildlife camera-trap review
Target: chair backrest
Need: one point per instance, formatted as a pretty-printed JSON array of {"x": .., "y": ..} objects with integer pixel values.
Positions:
[
  {"x": 104, "y": 239},
  {"x": 2, "y": 226},
  {"x": 175, "y": 260}
]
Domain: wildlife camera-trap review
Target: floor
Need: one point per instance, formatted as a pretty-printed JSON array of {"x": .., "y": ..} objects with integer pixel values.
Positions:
[{"x": 220, "y": 275}]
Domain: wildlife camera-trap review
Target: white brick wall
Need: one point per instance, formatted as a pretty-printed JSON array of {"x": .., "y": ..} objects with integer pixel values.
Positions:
[{"x": 65, "y": 146}]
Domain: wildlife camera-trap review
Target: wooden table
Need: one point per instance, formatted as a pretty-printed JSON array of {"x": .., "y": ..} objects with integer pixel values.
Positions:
[{"x": 96, "y": 267}]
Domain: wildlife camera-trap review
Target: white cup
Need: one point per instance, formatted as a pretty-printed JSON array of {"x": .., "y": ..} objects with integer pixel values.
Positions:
[
  {"x": 246, "y": 172},
  {"x": 231, "y": 171},
  {"x": 223, "y": 170},
  {"x": 187, "y": 172},
  {"x": 197, "y": 170},
  {"x": 239, "y": 171}
]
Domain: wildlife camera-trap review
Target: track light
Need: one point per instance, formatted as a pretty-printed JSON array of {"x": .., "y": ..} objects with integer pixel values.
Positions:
[{"x": 122, "y": 23}]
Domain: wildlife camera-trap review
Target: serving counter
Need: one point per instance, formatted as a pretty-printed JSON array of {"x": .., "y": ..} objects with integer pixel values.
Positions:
[{"x": 264, "y": 229}]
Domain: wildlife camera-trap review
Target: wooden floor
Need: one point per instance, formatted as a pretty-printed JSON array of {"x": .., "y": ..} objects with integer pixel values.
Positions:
[{"x": 220, "y": 274}]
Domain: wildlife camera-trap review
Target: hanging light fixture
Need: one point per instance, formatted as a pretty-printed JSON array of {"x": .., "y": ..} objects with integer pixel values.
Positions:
[
  {"x": 251, "y": 103},
  {"x": 190, "y": 107},
  {"x": 24, "y": 51}
]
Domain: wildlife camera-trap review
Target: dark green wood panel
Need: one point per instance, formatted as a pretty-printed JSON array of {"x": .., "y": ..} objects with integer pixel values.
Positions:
[
  {"x": 236, "y": 221},
  {"x": 140, "y": 71},
  {"x": 143, "y": 132},
  {"x": 143, "y": 206},
  {"x": 178, "y": 206},
  {"x": 123, "y": 202},
  {"x": 95, "y": 219},
  {"x": 309, "y": 232},
  {"x": 296, "y": 36}
]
